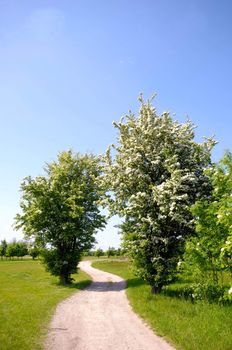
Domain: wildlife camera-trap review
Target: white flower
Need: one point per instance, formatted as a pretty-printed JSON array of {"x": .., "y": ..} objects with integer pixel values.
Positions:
[{"x": 230, "y": 290}]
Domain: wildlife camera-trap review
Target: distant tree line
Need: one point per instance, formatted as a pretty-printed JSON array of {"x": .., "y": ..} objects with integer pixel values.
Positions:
[
  {"x": 17, "y": 249},
  {"x": 111, "y": 251}
]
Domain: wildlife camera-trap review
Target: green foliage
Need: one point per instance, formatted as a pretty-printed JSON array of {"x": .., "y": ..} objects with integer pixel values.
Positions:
[
  {"x": 156, "y": 174},
  {"x": 11, "y": 250},
  {"x": 227, "y": 297},
  {"x": 208, "y": 291},
  {"x": 3, "y": 247},
  {"x": 54, "y": 261},
  {"x": 119, "y": 252},
  {"x": 16, "y": 249},
  {"x": 99, "y": 252},
  {"x": 60, "y": 211},
  {"x": 111, "y": 251},
  {"x": 34, "y": 252},
  {"x": 211, "y": 249},
  {"x": 226, "y": 253}
]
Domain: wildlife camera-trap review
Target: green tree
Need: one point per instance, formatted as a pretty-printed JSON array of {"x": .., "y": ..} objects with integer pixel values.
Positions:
[
  {"x": 211, "y": 249},
  {"x": 119, "y": 252},
  {"x": 3, "y": 247},
  {"x": 223, "y": 186},
  {"x": 60, "y": 211},
  {"x": 155, "y": 174},
  {"x": 111, "y": 251},
  {"x": 99, "y": 252},
  {"x": 16, "y": 249},
  {"x": 34, "y": 252},
  {"x": 11, "y": 249},
  {"x": 21, "y": 249}
]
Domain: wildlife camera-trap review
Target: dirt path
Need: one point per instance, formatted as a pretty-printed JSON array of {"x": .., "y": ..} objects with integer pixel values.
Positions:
[{"x": 100, "y": 318}]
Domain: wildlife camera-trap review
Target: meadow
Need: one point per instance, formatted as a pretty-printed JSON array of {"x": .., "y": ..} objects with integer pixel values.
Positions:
[
  {"x": 186, "y": 325},
  {"x": 28, "y": 297}
]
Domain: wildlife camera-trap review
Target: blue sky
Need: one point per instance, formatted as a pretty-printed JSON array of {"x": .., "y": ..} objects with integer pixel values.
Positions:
[{"x": 69, "y": 68}]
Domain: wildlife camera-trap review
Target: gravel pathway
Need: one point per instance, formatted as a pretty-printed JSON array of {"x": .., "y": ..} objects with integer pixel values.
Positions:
[{"x": 100, "y": 318}]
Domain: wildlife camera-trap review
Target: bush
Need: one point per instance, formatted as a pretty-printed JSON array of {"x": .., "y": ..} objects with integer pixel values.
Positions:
[
  {"x": 34, "y": 252},
  {"x": 226, "y": 299},
  {"x": 60, "y": 265},
  {"x": 210, "y": 292}
]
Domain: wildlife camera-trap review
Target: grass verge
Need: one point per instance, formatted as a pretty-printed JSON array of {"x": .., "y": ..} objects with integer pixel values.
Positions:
[
  {"x": 186, "y": 325},
  {"x": 28, "y": 297}
]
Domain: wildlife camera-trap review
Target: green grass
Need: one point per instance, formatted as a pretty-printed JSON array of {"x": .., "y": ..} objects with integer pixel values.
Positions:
[
  {"x": 188, "y": 326},
  {"x": 28, "y": 297}
]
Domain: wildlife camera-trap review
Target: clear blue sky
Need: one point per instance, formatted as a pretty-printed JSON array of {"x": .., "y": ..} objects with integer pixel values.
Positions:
[{"x": 69, "y": 68}]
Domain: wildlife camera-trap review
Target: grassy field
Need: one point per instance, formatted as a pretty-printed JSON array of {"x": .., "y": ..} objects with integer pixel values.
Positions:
[
  {"x": 188, "y": 326},
  {"x": 28, "y": 297}
]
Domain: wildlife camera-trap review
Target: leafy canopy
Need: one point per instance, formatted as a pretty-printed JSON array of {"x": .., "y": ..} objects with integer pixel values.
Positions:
[
  {"x": 60, "y": 210},
  {"x": 211, "y": 249}
]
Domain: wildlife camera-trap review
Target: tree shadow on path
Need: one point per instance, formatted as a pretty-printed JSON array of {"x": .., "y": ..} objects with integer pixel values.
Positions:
[
  {"x": 114, "y": 286},
  {"x": 77, "y": 285},
  {"x": 106, "y": 286}
]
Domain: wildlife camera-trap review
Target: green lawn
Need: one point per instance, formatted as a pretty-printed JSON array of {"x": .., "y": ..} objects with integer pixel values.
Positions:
[
  {"x": 188, "y": 326},
  {"x": 28, "y": 297}
]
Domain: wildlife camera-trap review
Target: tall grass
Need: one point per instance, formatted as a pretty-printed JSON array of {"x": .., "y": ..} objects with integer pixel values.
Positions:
[
  {"x": 28, "y": 297},
  {"x": 188, "y": 326}
]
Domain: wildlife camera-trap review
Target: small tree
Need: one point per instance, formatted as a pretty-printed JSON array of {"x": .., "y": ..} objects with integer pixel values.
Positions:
[
  {"x": 11, "y": 250},
  {"x": 99, "y": 252},
  {"x": 111, "y": 251},
  {"x": 34, "y": 252},
  {"x": 211, "y": 248},
  {"x": 156, "y": 174},
  {"x": 3, "y": 247},
  {"x": 60, "y": 211},
  {"x": 119, "y": 252},
  {"x": 21, "y": 249}
]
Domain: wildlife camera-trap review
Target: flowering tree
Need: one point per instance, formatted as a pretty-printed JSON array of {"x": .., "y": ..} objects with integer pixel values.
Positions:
[
  {"x": 60, "y": 211},
  {"x": 156, "y": 174}
]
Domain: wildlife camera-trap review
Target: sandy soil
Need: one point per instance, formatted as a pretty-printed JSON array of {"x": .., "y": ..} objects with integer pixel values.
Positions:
[{"x": 100, "y": 318}]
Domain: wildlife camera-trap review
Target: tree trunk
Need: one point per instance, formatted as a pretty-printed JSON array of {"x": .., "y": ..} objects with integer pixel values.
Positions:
[
  {"x": 62, "y": 278},
  {"x": 65, "y": 277},
  {"x": 156, "y": 290}
]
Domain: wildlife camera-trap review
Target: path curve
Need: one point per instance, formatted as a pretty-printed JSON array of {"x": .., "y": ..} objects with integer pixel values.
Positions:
[{"x": 100, "y": 318}]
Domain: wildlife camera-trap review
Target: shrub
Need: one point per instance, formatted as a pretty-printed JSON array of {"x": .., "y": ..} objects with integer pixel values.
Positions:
[{"x": 210, "y": 292}]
